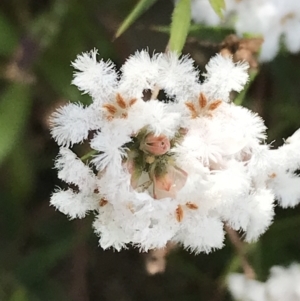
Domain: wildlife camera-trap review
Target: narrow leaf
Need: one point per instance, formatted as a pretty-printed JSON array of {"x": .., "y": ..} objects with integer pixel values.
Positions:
[
  {"x": 181, "y": 21},
  {"x": 218, "y": 6},
  {"x": 14, "y": 110},
  {"x": 138, "y": 10}
]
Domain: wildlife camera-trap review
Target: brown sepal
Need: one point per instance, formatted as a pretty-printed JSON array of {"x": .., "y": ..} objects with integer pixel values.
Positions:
[
  {"x": 202, "y": 101},
  {"x": 215, "y": 104},
  {"x": 179, "y": 213},
  {"x": 120, "y": 101},
  {"x": 192, "y": 109},
  {"x": 110, "y": 108},
  {"x": 191, "y": 205}
]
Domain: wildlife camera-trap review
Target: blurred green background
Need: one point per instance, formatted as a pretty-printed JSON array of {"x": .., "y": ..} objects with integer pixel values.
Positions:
[{"x": 45, "y": 257}]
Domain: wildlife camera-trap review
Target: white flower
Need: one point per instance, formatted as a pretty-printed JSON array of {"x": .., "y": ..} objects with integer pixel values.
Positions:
[
  {"x": 156, "y": 116},
  {"x": 270, "y": 19},
  {"x": 286, "y": 187},
  {"x": 63, "y": 120},
  {"x": 245, "y": 289},
  {"x": 201, "y": 233},
  {"x": 139, "y": 73},
  {"x": 99, "y": 79},
  {"x": 109, "y": 142},
  {"x": 170, "y": 171},
  {"x": 283, "y": 284},
  {"x": 73, "y": 171},
  {"x": 178, "y": 77},
  {"x": 219, "y": 83},
  {"x": 75, "y": 205}
]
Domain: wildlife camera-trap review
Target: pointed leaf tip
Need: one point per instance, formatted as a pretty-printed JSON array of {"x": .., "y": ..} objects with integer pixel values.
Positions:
[
  {"x": 181, "y": 21},
  {"x": 137, "y": 11},
  {"x": 218, "y": 6}
]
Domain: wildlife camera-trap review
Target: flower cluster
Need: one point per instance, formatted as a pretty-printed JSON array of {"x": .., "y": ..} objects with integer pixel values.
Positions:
[
  {"x": 174, "y": 169},
  {"x": 270, "y": 19},
  {"x": 283, "y": 284}
]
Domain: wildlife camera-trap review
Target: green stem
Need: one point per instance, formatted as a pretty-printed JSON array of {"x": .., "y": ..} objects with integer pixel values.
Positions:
[
  {"x": 241, "y": 97},
  {"x": 88, "y": 155}
]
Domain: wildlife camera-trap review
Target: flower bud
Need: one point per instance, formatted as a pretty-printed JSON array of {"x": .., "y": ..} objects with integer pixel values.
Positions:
[
  {"x": 155, "y": 145},
  {"x": 168, "y": 184}
]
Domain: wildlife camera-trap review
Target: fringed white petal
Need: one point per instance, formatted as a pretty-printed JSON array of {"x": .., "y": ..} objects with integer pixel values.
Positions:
[
  {"x": 99, "y": 79},
  {"x": 201, "y": 233},
  {"x": 71, "y": 124},
  {"x": 139, "y": 73},
  {"x": 224, "y": 76},
  {"x": 74, "y": 205},
  {"x": 178, "y": 76},
  {"x": 286, "y": 187},
  {"x": 109, "y": 143},
  {"x": 73, "y": 171}
]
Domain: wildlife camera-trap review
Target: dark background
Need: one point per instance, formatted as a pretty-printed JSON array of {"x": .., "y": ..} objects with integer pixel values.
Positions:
[{"x": 45, "y": 257}]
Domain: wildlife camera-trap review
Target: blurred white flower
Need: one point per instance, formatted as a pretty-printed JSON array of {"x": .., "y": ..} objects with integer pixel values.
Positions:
[
  {"x": 270, "y": 19},
  {"x": 282, "y": 284},
  {"x": 171, "y": 170}
]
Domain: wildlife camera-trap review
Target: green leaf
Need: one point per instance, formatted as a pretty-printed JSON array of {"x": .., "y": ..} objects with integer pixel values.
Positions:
[
  {"x": 14, "y": 111},
  {"x": 8, "y": 36},
  {"x": 218, "y": 6},
  {"x": 181, "y": 21},
  {"x": 138, "y": 10}
]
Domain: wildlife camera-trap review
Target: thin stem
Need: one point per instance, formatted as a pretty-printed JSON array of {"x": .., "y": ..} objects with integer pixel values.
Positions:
[
  {"x": 155, "y": 92},
  {"x": 239, "y": 247}
]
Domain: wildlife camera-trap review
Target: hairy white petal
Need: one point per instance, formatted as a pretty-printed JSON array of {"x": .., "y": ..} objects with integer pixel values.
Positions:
[
  {"x": 139, "y": 73},
  {"x": 110, "y": 144},
  {"x": 158, "y": 120},
  {"x": 75, "y": 205},
  {"x": 201, "y": 234},
  {"x": 73, "y": 171},
  {"x": 178, "y": 76},
  {"x": 286, "y": 187},
  {"x": 63, "y": 120},
  {"x": 99, "y": 79},
  {"x": 224, "y": 76},
  {"x": 261, "y": 212}
]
